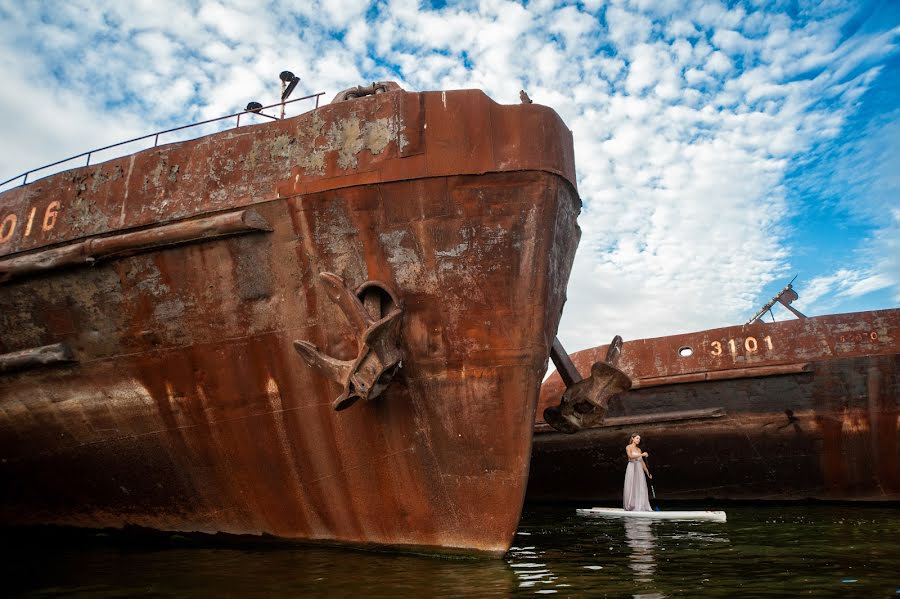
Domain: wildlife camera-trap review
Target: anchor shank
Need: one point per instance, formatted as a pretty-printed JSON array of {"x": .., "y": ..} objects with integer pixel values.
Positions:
[{"x": 564, "y": 364}]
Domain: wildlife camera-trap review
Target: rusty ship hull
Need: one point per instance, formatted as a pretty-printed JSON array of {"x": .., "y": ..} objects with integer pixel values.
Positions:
[
  {"x": 790, "y": 410},
  {"x": 151, "y": 307}
]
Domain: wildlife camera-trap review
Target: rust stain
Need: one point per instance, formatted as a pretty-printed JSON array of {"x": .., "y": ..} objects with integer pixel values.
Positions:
[
  {"x": 810, "y": 410},
  {"x": 187, "y": 407}
]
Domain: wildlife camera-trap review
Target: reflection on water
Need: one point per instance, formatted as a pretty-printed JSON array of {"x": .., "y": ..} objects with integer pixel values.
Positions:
[
  {"x": 105, "y": 566},
  {"x": 640, "y": 538},
  {"x": 794, "y": 549},
  {"x": 529, "y": 571},
  {"x": 817, "y": 550}
]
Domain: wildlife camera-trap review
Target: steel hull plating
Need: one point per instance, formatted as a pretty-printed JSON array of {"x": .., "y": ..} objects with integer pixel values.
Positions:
[
  {"x": 810, "y": 413},
  {"x": 184, "y": 406}
]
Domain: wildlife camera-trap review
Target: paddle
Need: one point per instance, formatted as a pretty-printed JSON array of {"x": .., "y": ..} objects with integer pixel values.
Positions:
[{"x": 652, "y": 491}]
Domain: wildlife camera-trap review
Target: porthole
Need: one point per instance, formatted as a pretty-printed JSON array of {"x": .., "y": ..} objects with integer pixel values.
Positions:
[{"x": 685, "y": 352}]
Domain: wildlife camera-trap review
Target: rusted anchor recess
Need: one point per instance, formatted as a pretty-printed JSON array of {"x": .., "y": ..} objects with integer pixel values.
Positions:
[
  {"x": 585, "y": 401},
  {"x": 374, "y": 313}
]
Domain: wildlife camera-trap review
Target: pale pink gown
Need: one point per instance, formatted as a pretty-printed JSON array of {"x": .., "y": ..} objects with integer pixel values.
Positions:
[{"x": 634, "y": 496}]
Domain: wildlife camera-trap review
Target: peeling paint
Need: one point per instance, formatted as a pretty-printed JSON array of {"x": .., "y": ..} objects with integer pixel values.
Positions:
[
  {"x": 186, "y": 389},
  {"x": 826, "y": 429}
]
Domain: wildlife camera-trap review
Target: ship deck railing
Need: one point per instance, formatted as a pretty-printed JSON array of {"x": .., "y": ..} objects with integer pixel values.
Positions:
[{"x": 155, "y": 136}]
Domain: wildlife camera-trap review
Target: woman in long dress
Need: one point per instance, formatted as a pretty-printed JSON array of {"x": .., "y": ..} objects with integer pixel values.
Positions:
[{"x": 634, "y": 496}]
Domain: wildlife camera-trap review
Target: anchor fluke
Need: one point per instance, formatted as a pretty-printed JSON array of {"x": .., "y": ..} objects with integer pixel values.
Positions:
[
  {"x": 374, "y": 312},
  {"x": 585, "y": 401}
]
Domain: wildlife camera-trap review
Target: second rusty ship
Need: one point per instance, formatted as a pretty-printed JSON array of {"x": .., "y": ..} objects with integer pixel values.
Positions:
[{"x": 797, "y": 409}]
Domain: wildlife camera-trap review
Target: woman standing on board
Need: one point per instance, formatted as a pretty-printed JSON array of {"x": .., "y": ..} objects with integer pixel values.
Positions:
[{"x": 634, "y": 497}]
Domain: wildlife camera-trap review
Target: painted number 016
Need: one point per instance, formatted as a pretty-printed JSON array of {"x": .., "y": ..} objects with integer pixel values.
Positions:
[
  {"x": 751, "y": 345},
  {"x": 10, "y": 222}
]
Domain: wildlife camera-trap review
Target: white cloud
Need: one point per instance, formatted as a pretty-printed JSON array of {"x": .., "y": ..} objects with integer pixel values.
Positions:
[
  {"x": 685, "y": 116},
  {"x": 344, "y": 13},
  {"x": 732, "y": 42},
  {"x": 45, "y": 123},
  {"x": 844, "y": 283},
  {"x": 572, "y": 24},
  {"x": 626, "y": 28},
  {"x": 718, "y": 63}
]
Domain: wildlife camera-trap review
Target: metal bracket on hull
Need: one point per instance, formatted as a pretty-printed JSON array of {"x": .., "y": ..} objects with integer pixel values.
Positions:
[
  {"x": 784, "y": 297},
  {"x": 158, "y": 237},
  {"x": 360, "y": 91},
  {"x": 374, "y": 313},
  {"x": 35, "y": 357},
  {"x": 585, "y": 401}
]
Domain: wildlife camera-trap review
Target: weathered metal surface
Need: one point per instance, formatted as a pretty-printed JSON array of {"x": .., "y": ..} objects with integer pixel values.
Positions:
[
  {"x": 809, "y": 410},
  {"x": 99, "y": 248},
  {"x": 35, "y": 357},
  {"x": 374, "y": 314},
  {"x": 649, "y": 418},
  {"x": 720, "y": 375},
  {"x": 584, "y": 401},
  {"x": 564, "y": 365},
  {"x": 785, "y": 297},
  {"x": 189, "y": 408},
  {"x": 351, "y": 93}
]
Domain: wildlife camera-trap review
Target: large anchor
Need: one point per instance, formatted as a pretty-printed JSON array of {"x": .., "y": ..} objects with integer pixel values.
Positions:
[
  {"x": 585, "y": 401},
  {"x": 374, "y": 313}
]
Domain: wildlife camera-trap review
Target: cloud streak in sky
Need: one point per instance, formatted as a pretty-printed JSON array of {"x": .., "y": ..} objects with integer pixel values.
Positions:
[{"x": 687, "y": 118}]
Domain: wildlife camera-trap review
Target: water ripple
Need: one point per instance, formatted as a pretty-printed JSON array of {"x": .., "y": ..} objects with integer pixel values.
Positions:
[{"x": 819, "y": 550}]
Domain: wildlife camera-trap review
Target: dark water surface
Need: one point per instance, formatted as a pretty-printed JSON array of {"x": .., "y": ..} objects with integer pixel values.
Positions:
[{"x": 785, "y": 551}]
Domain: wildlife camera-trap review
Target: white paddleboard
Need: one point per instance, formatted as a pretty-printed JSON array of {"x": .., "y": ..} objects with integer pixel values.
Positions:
[{"x": 617, "y": 512}]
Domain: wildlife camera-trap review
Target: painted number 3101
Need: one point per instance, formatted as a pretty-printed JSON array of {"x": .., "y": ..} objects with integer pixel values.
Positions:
[{"x": 751, "y": 345}]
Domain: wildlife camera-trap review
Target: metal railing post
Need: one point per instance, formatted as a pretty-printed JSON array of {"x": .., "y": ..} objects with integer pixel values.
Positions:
[{"x": 155, "y": 136}]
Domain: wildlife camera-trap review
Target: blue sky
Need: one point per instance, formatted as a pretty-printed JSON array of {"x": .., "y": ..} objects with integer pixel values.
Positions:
[{"x": 721, "y": 147}]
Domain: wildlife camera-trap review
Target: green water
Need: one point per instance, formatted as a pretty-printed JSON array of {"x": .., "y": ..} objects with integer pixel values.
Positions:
[{"x": 778, "y": 551}]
